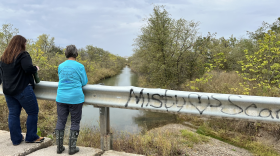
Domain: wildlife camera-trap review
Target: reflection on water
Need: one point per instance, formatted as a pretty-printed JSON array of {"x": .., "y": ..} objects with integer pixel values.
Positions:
[
  {"x": 125, "y": 78},
  {"x": 125, "y": 119},
  {"x": 149, "y": 120}
]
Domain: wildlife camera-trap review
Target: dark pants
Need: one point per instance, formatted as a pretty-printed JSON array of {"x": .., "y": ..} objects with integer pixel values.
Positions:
[
  {"x": 63, "y": 112},
  {"x": 26, "y": 100}
]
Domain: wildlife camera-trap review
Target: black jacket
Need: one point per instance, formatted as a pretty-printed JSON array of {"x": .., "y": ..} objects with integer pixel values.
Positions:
[{"x": 17, "y": 75}]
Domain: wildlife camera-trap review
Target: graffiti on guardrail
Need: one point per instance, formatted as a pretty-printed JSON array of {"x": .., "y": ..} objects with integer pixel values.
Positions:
[{"x": 162, "y": 103}]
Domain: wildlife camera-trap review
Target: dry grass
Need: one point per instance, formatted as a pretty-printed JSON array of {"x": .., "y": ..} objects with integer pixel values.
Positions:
[
  {"x": 168, "y": 142},
  {"x": 229, "y": 83},
  {"x": 99, "y": 74},
  {"x": 239, "y": 133},
  {"x": 46, "y": 117},
  {"x": 4, "y": 115},
  {"x": 47, "y": 109},
  {"x": 238, "y": 139},
  {"x": 191, "y": 138},
  {"x": 221, "y": 82},
  {"x": 236, "y": 132},
  {"x": 152, "y": 143},
  {"x": 156, "y": 142}
]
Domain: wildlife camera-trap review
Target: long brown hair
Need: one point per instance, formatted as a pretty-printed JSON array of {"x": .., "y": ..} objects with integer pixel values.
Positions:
[{"x": 16, "y": 45}]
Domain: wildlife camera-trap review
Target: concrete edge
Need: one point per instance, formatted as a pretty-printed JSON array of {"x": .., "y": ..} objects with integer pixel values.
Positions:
[
  {"x": 44, "y": 144},
  {"x": 100, "y": 153}
]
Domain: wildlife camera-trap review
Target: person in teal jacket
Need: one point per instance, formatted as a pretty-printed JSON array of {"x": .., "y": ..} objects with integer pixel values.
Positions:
[{"x": 70, "y": 98}]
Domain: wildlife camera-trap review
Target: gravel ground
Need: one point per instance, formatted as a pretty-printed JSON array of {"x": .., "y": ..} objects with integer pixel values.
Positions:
[{"x": 212, "y": 148}]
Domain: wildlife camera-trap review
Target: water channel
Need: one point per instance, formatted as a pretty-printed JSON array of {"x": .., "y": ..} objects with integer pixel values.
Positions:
[{"x": 132, "y": 121}]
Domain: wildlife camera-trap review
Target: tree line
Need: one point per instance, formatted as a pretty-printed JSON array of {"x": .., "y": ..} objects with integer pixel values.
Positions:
[
  {"x": 98, "y": 62},
  {"x": 169, "y": 52}
]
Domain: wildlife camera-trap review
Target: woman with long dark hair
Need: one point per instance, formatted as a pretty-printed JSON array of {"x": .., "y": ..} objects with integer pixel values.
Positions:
[{"x": 18, "y": 85}]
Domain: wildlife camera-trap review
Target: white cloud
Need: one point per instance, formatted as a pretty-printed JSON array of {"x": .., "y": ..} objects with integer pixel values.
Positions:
[{"x": 112, "y": 25}]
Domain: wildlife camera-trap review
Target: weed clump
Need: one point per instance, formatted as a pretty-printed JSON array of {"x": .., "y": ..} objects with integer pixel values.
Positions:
[{"x": 191, "y": 138}]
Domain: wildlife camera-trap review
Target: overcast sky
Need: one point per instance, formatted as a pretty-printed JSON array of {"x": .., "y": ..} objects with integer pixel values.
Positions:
[{"x": 113, "y": 24}]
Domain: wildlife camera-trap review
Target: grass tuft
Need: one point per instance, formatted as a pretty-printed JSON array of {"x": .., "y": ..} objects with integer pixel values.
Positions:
[
  {"x": 239, "y": 140},
  {"x": 191, "y": 138}
]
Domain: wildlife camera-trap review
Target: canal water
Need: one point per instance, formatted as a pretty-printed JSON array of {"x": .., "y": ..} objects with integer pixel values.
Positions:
[{"x": 132, "y": 121}]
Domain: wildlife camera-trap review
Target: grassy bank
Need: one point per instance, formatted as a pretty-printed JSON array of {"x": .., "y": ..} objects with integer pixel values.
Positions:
[
  {"x": 46, "y": 117},
  {"x": 166, "y": 141},
  {"x": 242, "y": 134},
  {"x": 100, "y": 74},
  {"x": 154, "y": 142},
  {"x": 238, "y": 133}
]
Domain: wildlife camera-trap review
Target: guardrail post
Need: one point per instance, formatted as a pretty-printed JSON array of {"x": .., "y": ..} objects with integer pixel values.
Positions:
[{"x": 106, "y": 135}]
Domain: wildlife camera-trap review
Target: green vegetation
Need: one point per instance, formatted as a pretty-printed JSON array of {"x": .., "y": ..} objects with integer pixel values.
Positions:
[
  {"x": 147, "y": 144},
  {"x": 48, "y": 56},
  {"x": 6, "y": 34},
  {"x": 46, "y": 117},
  {"x": 155, "y": 142},
  {"x": 238, "y": 133},
  {"x": 262, "y": 67},
  {"x": 239, "y": 140},
  {"x": 170, "y": 54},
  {"x": 193, "y": 138},
  {"x": 99, "y": 63},
  {"x": 160, "y": 52}
]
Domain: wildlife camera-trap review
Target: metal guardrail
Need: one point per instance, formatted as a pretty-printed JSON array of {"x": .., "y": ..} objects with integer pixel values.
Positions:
[{"x": 170, "y": 101}]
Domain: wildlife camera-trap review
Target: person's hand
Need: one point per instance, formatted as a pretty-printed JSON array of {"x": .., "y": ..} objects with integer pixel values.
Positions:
[{"x": 38, "y": 68}]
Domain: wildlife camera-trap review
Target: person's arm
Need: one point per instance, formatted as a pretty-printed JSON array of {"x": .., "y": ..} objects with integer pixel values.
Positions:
[
  {"x": 26, "y": 64},
  {"x": 84, "y": 76}
]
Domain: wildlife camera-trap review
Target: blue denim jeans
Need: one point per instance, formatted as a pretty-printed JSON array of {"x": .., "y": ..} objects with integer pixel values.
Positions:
[{"x": 26, "y": 100}]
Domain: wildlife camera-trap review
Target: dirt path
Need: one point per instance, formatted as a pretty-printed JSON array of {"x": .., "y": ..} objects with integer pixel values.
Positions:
[
  {"x": 216, "y": 147},
  {"x": 212, "y": 147}
]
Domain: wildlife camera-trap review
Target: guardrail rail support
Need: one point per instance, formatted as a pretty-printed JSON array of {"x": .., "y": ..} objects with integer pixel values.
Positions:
[{"x": 106, "y": 135}]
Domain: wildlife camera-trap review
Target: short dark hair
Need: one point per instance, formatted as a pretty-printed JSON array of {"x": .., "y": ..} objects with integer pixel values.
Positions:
[{"x": 71, "y": 51}]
